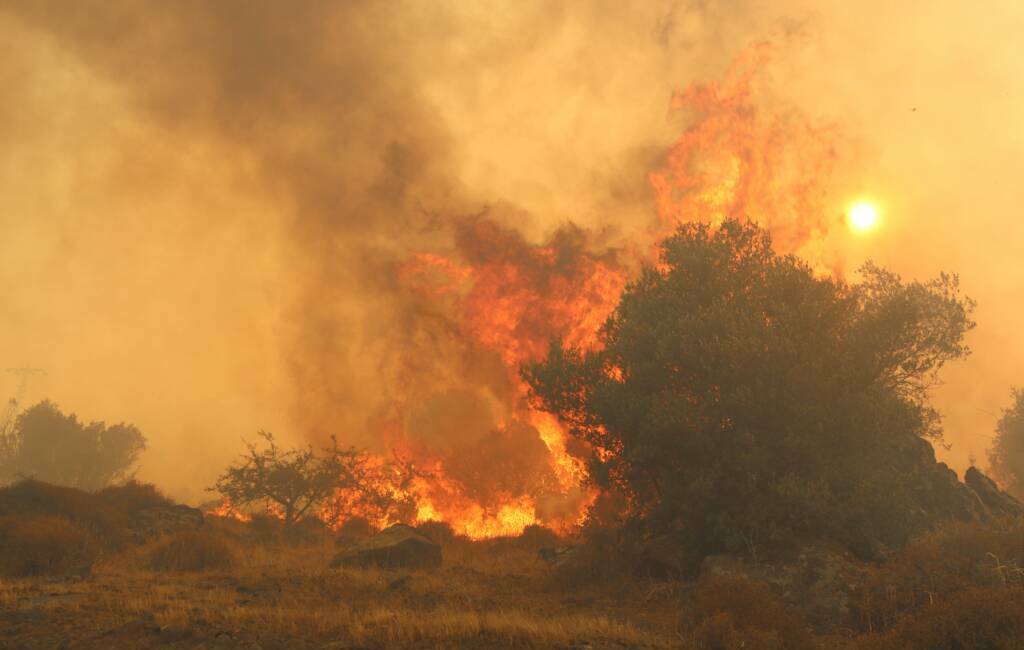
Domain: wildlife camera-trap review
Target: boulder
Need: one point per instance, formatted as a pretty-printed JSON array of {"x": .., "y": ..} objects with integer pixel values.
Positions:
[
  {"x": 996, "y": 502},
  {"x": 160, "y": 520},
  {"x": 397, "y": 546}
]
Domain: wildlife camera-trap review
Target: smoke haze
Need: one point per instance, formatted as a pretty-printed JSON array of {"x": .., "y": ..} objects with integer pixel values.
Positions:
[{"x": 209, "y": 209}]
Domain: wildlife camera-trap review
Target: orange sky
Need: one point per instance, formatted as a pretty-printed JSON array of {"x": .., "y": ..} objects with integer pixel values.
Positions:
[{"x": 200, "y": 202}]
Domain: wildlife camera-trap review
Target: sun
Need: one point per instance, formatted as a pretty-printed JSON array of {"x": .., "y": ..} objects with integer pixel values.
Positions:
[{"x": 863, "y": 217}]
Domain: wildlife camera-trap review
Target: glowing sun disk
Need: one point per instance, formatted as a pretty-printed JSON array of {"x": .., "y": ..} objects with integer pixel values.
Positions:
[{"x": 863, "y": 216}]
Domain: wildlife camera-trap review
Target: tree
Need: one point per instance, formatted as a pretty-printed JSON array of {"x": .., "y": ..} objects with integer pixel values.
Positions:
[
  {"x": 741, "y": 397},
  {"x": 50, "y": 446},
  {"x": 1006, "y": 457},
  {"x": 296, "y": 482}
]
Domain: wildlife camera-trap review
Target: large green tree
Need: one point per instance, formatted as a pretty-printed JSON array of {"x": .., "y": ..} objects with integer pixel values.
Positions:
[
  {"x": 1006, "y": 456},
  {"x": 742, "y": 397},
  {"x": 55, "y": 447}
]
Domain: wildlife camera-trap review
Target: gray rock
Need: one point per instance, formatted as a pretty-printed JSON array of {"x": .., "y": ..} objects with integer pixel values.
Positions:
[{"x": 397, "y": 546}]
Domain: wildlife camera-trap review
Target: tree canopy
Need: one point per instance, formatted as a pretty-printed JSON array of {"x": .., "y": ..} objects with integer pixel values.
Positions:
[
  {"x": 50, "y": 446},
  {"x": 1006, "y": 456},
  {"x": 740, "y": 396}
]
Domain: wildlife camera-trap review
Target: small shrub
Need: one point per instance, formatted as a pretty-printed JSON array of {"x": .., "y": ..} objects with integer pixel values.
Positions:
[
  {"x": 356, "y": 527},
  {"x": 733, "y": 612},
  {"x": 265, "y": 528},
  {"x": 191, "y": 551},
  {"x": 976, "y": 618},
  {"x": 535, "y": 537},
  {"x": 84, "y": 509},
  {"x": 440, "y": 532},
  {"x": 44, "y": 545},
  {"x": 934, "y": 567},
  {"x": 133, "y": 497},
  {"x": 308, "y": 530}
]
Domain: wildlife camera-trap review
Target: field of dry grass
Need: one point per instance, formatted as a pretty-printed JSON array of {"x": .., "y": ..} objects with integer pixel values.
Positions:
[
  {"x": 285, "y": 596},
  {"x": 73, "y": 574}
]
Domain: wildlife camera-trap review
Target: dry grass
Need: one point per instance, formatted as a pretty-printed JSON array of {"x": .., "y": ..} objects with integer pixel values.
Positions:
[
  {"x": 959, "y": 587},
  {"x": 191, "y": 551},
  {"x": 286, "y": 596},
  {"x": 44, "y": 545}
]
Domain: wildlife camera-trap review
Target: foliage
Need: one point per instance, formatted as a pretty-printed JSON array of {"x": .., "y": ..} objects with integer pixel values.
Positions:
[
  {"x": 191, "y": 551},
  {"x": 44, "y": 545},
  {"x": 732, "y": 612},
  {"x": 50, "y": 446},
  {"x": 295, "y": 482},
  {"x": 88, "y": 511},
  {"x": 938, "y": 566},
  {"x": 740, "y": 395},
  {"x": 1006, "y": 456},
  {"x": 132, "y": 497},
  {"x": 441, "y": 532}
]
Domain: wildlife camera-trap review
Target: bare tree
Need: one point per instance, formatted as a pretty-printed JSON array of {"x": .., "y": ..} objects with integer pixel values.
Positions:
[{"x": 298, "y": 481}]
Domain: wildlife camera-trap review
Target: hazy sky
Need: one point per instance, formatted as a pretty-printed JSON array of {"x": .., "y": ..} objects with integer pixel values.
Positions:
[{"x": 202, "y": 204}]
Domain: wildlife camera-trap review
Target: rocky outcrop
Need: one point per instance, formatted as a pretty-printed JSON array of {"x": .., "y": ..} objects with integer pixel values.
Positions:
[
  {"x": 937, "y": 493},
  {"x": 397, "y": 546},
  {"x": 996, "y": 502},
  {"x": 160, "y": 520}
]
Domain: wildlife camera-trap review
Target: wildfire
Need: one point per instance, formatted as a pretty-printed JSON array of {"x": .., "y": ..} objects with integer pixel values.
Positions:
[{"x": 488, "y": 464}]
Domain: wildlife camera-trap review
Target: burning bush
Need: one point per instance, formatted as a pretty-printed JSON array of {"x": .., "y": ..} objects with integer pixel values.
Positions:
[
  {"x": 742, "y": 397},
  {"x": 44, "y": 545},
  {"x": 191, "y": 551},
  {"x": 296, "y": 482}
]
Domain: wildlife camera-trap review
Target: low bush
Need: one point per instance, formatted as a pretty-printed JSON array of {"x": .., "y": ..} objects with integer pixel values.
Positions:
[
  {"x": 975, "y": 619},
  {"x": 35, "y": 545},
  {"x": 133, "y": 497},
  {"x": 939, "y": 565},
  {"x": 191, "y": 551},
  {"x": 733, "y": 612},
  {"x": 440, "y": 532},
  {"x": 86, "y": 510},
  {"x": 535, "y": 537},
  {"x": 265, "y": 528},
  {"x": 356, "y": 528},
  {"x": 308, "y": 530}
]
